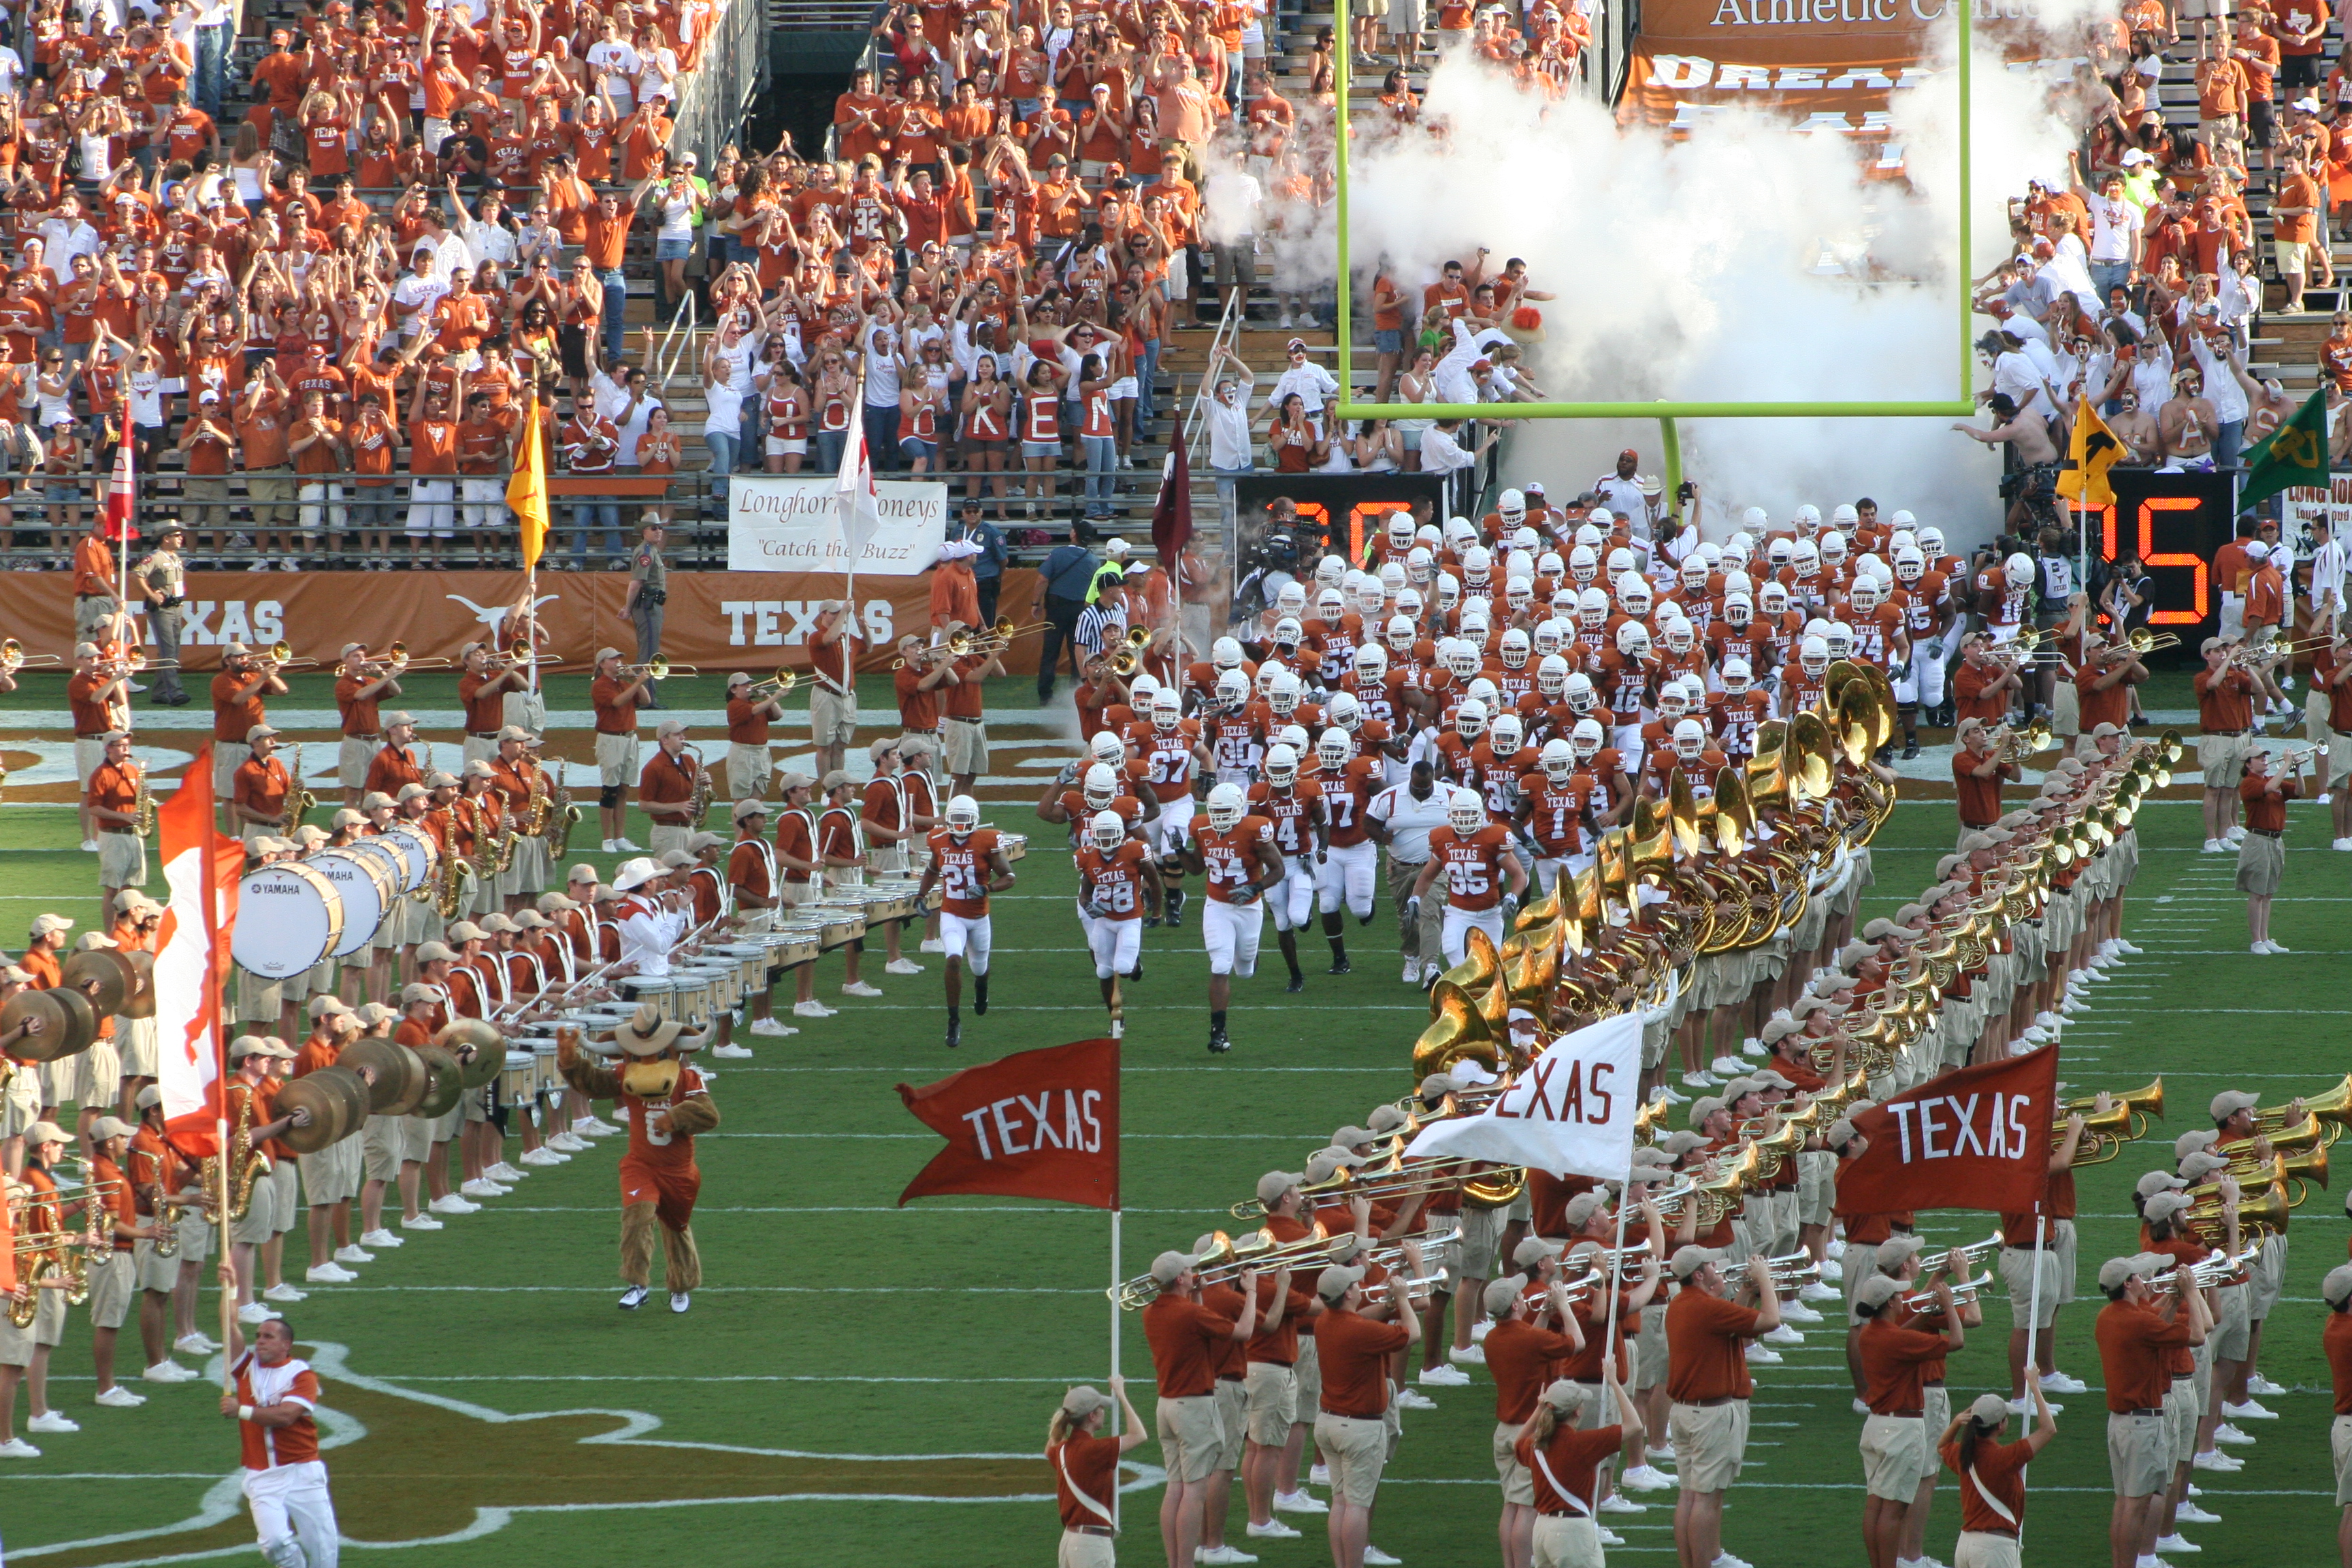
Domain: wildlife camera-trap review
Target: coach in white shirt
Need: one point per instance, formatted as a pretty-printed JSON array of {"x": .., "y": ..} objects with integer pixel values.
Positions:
[
  {"x": 651, "y": 922},
  {"x": 1400, "y": 818}
]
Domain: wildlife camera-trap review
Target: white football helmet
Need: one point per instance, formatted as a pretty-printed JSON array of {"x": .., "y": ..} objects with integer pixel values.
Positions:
[
  {"x": 1902, "y": 519},
  {"x": 1549, "y": 565},
  {"x": 1808, "y": 517},
  {"x": 1344, "y": 712},
  {"x": 1902, "y": 538},
  {"x": 1772, "y": 598},
  {"x": 1756, "y": 519},
  {"x": 2018, "y": 569},
  {"x": 1410, "y": 604},
  {"x": 1513, "y": 647},
  {"x": 1166, "y": 710},
  {"x": 1586, "y": 739},
  {"x": 1806, "y": 558},
  {"x": 1465, "y": 812},
  {"x": 1592, "y": 609},
  {"x": 1418, "y": 564},
  {"x": 1227, "y": 806},
  {"x": 1506, "y": 735},
  {"x": 1288, "y": 631},
  {"x": 1107, "y": 830},
  {"x": 1548, "y": 638},
  {"x": 1813, "y": 656},
  {"x": 1513, "y": 508},
  {"x": 1865, "y": 593},
  {"x": 1470, "y": 719},
  {"x": 1552, "y": 675},
  {"x": 1282, "y": 693},
  {"x": 1107, "y": 748},
  {"x": 1619, "y": 561},
  {"x": 1843, "y": 518},
  {"x": 1430, "y": 534},
  {"x": 1329, "y": 606},
  {"x": 1832, "y": 548},
  {"x": 1401, "y": 634},
  {"x": 1371, "y": 662},
  {"x": 963, "y": 816},
  {"x": 1931, "y": 542},
  {"x": 1737, "y": 676},
  {"x": 1679, "y": 636},
  {"x": 1633, "y": 640},
  {"x": 1694, "y": 575},
  {"x": 1449, "y": 590},
  {"x": 1295, "y": 737},
  {"x": 1330, "y": 572},
  {"x": 1460, "y": 534},
  {"x": 1460, "y": 658},
  {"x": 1483, "y": 691},
  {"x": 1581, "y": 698},
  {"x": 1840, "y": 637},
  {"x": 1558, "y": 759},
  {"x": 1141, "y": 690},
  {"x": 1519, "y": 592},
  {"x": 1909, "y": 566},
  {"x": 1290, "y": 600},
  {"x": 1601, "y": 517},
  {"x": 1779, "y": 552},
  {"x": 1583, "y": 565},
  {"x": 1225, "y": 653},
  {"x": 1391, "y": 581},
  {"x": 1281, "y": 766},
  {"x": 1332, "y": 750},
  {"x": 1673, "y": 701},
  {"x": 1633, "y": 592},
  {"x": 1102, "y": 786},
  {"x": 1739, "y": 609},
  {"x": 1690, "y": 740},
  {"x": 1233, "y": 688},
  {"x": 1401, "y": 531}
]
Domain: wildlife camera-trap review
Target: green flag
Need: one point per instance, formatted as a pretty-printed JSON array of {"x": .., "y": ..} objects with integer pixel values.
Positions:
[{"x": 2294, "y": 454}]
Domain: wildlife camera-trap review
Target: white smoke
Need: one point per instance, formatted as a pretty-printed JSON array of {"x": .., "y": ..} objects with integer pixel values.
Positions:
[{"x": 1745, "y": 263}]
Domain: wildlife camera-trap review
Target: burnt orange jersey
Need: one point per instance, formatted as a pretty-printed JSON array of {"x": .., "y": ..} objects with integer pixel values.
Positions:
[
  {"x": 1229, "y": 857},
  {"x": 1292, "y": 811},
  {"x": 964, "y": 869},
  {"x": 1472, "y": 863}
]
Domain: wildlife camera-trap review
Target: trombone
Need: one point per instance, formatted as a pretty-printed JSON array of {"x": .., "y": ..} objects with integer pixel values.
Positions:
[
  {"x": 396, "y": 661},
  {"x": 282, "y": 657},
  {"x": 13, "y": 658},
  {"x": 780, "y": 684},
  {"x": 660, "y": 668},
  {"x": 2141, "y": 640}
]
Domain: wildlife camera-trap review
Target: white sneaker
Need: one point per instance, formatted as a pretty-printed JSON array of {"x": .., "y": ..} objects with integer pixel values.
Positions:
[
  {"x": 1759, "y": 1355},
  {"x": 479, "y": 1188},
  {"x": 1217, "y": 1554},
  {"x": 281, "y": 1291},
  {"x": 2237, "y": 834},
  {"x": 1319, "y": 1474},
  {"x": 1443, "y": 1376},
  {"x": 1725, "y": 1560},
  {"x": 1701, "y": 1081},
  {"x": 2250, "y": 1410},
  {"x": 1300, "y": 1502},
  {"x": 570, "y": 1142},
  {"x": 1814, "y": 1291},
  {"x": 2215, "y": 846},
  {"x": 902, "y": 966},
  {"x": 2340, "y": 843},
  {"x": 121, "y": 1398},
  {"x": 2229, "y": 1432},
  {"x": 327, "y": 1273},
  {"x": 1413, "y": 1399},
  {"x": 1412, "y": 971},
  {"x": 2128, "y": 950},
  {"x": 253, "y": 1312},
  {"x": 1478, "y": 1333},
  {"x": 56, "y": 1421},
  {"x": 546, "y": 1156},
  {"x": 168, "y": 1370},
  {"x": 1784, "y": 1335},
  {"x": 17, "y": 1448},
  {"x": 426, "y": 1221},
  {"x": 2174, "y": 1542},
  {"x": 623, "y": 847},
  {"x": 1273, "y": 1530},
  {"x": 932, "y": 944},
  {"x": 2214, "y": 1459},
  {"x": 859, "y": 988},
  {"x": 1798, "y": 1312},
  {"x": 2261, "y": 949},
  {"x": 607, "y": 848},
  {"x": 90, "y": 845},
  {"x": 1376, "y": 1558},
  {"x": 1666, "y": 1455},
  {"x": 594, "y": 1127},
  {"x": 380, "y": 1239},
  {"x": 1615, "y": 1503},
  {"x": 1666, "y": 1093},
  {"x": 2258, "y": 1383},
  {"x": 502, "y": 1172},
  {"x": 813, "y": 1008},
  {"x": 1647, "y": 1477},
  {"x": 1468, "y": 1355},
  {"x": 2063, "y": 1383},
  {"x": 771, "y": 1027},
  {"x": 1861, "y": 1406},
  {"x": 2190, "y": 1513},
  {"x": 1606, "y": 1536},
  {"x": 732, "y": 1052},
  {"x": 353, "y": 1255},
  {"x": 1832, "y": 1266},
  {"x": 1726, "y": 1067}
]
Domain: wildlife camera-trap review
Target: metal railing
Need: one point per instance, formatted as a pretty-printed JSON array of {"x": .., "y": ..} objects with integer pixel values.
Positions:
[
  {"x": 1229, "y": 327},
  {"x": 677, "y": 342},
  {"x": 734, "y": 67}
]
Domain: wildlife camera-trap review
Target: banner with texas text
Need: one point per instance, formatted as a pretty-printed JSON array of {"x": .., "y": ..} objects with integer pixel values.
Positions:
[
  {"x": 730, "y": 620},
  {"x": 1570, "y": 1113},
  {"x": 1976, "y": 1138},
  {"x": 793, "y": 523},
  {"x": 1035, "y": 1124}
]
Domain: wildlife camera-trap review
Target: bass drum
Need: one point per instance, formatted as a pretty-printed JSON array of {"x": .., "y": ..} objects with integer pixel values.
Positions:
[
  {"x": 384, "y": 853},
  {"x": 418, "y": 853},
  {"x": 288, "y": 918},
  {"x": 367, "y": 889}
]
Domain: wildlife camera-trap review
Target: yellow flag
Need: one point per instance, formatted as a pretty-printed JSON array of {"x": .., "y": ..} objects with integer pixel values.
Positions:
[
  {"x": 527, "y": 490},
  {"x": 2094, "y": 450}
]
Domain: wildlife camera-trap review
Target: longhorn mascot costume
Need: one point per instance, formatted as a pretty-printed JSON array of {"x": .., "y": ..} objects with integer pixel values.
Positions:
[{"x": 665, "y": 1104}]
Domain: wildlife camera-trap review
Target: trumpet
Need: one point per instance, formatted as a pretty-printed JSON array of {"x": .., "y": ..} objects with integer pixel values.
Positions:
[
  {"x": 1792, "y": 1270},
  {"x": 780, "y": 684},
  {"x": 12, "y": 657},
  {"x": 660, "y": 668},
  {"x": 2294, "y": 756},
  {"x": 1963, "y": 1291},
  {"x": 2208, "y": 1272}
]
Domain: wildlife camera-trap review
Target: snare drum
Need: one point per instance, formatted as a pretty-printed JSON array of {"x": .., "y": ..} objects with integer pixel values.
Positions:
[
  {"x": 691, "y": 1000},
  {"x": 661, "y": 990},
  {"x": 546, "y": 1078},
  {"x": 367, "y": 887},
  {"x": 289, "y": 917},
  {"x": 516, "y": 1079}
]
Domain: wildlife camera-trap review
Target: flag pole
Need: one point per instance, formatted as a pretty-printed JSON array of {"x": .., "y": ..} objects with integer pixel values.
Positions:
[
  {"x": 1616, "y": 1261},
  {"x": 2033, "y": 1311},
  {"x": 1117, "y": 1275}
]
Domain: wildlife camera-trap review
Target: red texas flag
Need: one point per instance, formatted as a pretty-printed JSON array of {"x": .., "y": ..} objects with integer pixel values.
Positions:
[
  {"x": 1976, "y": 1138},
  {"x": 1037, "y": 1124}
]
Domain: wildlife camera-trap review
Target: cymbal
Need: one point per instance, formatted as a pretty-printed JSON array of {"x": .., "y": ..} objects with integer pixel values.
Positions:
[
  {"x": 141, "y": 964},
  {"x": 325, "y": 1107},
  {"x": 53, "y": 1041},
  {"x": 448, "y": 1081},
  {"x": 401, "y": 1080},
  {"x": 350, "y": 1090},
  {"x": 81, "y": 1021},
  {"x": 115, "y": 981},
  {"x": 487, "y": 1052}
]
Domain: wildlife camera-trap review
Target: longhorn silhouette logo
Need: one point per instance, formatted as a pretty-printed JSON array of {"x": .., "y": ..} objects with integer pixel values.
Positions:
[{"x": 494, "y": 615}]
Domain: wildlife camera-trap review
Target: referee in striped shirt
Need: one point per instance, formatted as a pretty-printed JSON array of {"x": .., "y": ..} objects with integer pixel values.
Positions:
[{"x": 1103, "y": 620}]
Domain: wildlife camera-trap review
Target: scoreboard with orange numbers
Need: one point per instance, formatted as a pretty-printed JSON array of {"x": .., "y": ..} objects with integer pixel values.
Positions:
[
  {"x": 1347, "y": 510},
  {"x": 2174, "y": 523}
]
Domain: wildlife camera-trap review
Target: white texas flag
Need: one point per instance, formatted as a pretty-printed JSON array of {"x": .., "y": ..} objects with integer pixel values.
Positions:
[
  {"x": 200, "y": 866},
  {"x": 1570, "y": 1113}
]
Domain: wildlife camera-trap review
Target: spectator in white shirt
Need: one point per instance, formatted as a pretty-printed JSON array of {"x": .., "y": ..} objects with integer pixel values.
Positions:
[
  {"x": 1314, "y": 385},
  {"x": 65, "y": 236},
  {"x": 1226, "y": 413},
  {"x": 1441, "y": 451}
]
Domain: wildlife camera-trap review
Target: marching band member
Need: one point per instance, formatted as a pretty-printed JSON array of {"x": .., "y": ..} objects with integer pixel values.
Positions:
[
  {"x": 1185, "y": 1337},
  {"x": 359, "y": 687},
  {"x": 748, "y": 714},
  {"x": 1520, "y": 1352},
  {"x": 110, "y": 805},
  {"x": 665, "y": 1104},
  {"x": 275, "y": 1405},
  {"x": 1236, "y": 853},
  {"x": 2134, "y": 1330},
  {"x": 259, "y": 789},
  {"x": 652, "y": 921},
  {"x": 753, "y": 879},
  {"x": 2261, "y": 854},
  {"x": 841, "y": 850},
  {"x": 887, "y": 824},
  {"x": 616, "y": 696},
  {"x": 2336, "y": 1342},
  {"x": 1562, "y": 1457},
  {"x": 330, "y": 1176},
  {"x": 238, "y": 692},
  {"x": 1708, "y": 1326},
  {"x": 833, "y": 692},
  {"x": 2225, "y": 724},
  {"x": 1992, "y": 1478},
  {"x": 669, "y": 787},
  {"x": 1086, "y": 1471},
  {"x": 1353, "y": 1348},
  {"x": 1897, "y": 1467},
  {"x": 114, "y": 1281}
]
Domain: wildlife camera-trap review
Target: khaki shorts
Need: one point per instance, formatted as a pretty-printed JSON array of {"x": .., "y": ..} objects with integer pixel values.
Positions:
[
  {"x": 391, "y": 1141},
  {"x": 1860, "y": 1263},
  {"x": 1232, "y": 1418},
  {"x": 1191, "y": 1437},
  {"x": 2019, "y": 1265},
  {"x": 88, "y": 751},
  {"x": 122, "y": 860},
  {"x": 2223, "y": 758},
  {"x": 352, "y": 761},
  {"x": 1566, "y": 1540},
  {"x": 136, "y": 1042},
  {"x": 227, "y": 757},
  {"x": 98, "y": 1076},
  {"x": 2291, "y": 254},
  {"x": 2270, "y": 1279},
  {"x": 2182, "y": 1406},
  {"x": 1893, "y": 1450},
  {"x": 1518, "y": 1481},
  {"x": 2069, "y": 1245},
  {"x": 2139, "y": 1453},
  {"x": 258, "y": 1000},
  {"x": 749, "y": 769},
  {"x": 1982, "y": 1548},
  {"x": 1710, "y": 1441},
  {"x": 16, "y": 1345},
  {"x": 616, "y": 760},
  {"x": 1481, "y": 1242},
  {"x": 111, "y": 1287},
  {"x": 1938, "y": 1401},
  {"x": 155, "y": 1271},
  {"x": 2232, "y": 1323},
  {"x": 833, "y": 716},
  {"x": 1816, "y": 1186},
  {"x": 1078, "y": 1551},
  {"x": 660, "y": 841},
  {"x": 2340, "y": 1442},
  {"x": 1355, "y": 1450},
  {"x": 1650, "y": 1350},
  {"x": 333, "y": 1174},
  {"x": 967, "y": 747},
  {"x": 2261, "y": 865},
  {"x": 1308, "y": 1370},
  {"x": 1272, "y": 1402},
  {"x": 260, "y": 1221}
]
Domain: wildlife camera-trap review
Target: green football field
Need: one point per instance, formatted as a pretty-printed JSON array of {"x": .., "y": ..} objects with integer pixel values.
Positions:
[{"x": 858, "y": 1383}]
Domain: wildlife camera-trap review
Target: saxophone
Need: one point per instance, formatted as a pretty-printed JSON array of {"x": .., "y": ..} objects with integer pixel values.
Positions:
[
  {"x": 143, "y": 808},
  {"x": 698, "y": 804},
  {"x": 485, "y": 858},
  {"x": 453, "y": 870},
  {"x": 567, "y": 817},
  {"x": 248, "y": 1165},
  {"x": 298, "y": 801}
]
